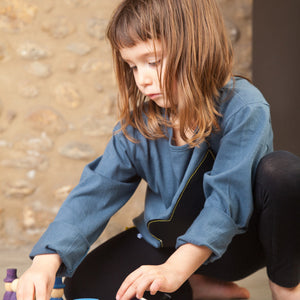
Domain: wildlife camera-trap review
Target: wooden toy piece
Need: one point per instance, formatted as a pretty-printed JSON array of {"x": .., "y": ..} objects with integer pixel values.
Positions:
[
  {"x": 7, "y": 286},
  {"x": 14, "y": 284},
  {"x": 57, "y": 293},
  {"x": 11, "y": 275},
  {"x": 58, "y": 289}
]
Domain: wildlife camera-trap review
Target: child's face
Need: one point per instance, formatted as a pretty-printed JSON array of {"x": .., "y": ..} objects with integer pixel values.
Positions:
[{"x": 146, "y": 67}]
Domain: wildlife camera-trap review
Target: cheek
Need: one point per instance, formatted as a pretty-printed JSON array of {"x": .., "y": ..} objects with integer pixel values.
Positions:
[
  {"x": 137, "y": 82},
  {"x": 134, "y": 77}
]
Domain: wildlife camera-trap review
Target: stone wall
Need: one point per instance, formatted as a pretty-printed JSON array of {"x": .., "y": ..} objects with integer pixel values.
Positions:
[{"x": 57, "y": 104}]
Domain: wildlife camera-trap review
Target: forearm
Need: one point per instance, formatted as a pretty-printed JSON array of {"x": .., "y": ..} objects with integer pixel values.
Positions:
[{"x": 188, "y": 258}]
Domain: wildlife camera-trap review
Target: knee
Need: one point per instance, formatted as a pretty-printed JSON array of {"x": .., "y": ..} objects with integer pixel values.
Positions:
[
  {"x": 277, "y": 185},
  {"x": 279, "y": 168}
]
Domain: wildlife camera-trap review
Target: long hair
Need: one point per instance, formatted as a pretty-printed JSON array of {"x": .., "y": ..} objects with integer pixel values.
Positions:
[{"x": 198, "y": 61}]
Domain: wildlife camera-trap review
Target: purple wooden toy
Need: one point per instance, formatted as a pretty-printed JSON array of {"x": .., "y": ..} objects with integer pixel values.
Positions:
[{"x": 11, "y": 275}]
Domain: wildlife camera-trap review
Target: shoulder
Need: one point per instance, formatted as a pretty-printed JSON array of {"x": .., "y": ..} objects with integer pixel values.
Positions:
[
  {"x": 131, "y": 131},
  {"x": 135, "y": 129},
  {"x": 240, "y": 95},
  {"x": 130, "y": 140}
]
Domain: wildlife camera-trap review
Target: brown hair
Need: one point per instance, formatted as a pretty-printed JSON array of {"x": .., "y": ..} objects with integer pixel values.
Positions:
[{"x": 198, "y": 60}]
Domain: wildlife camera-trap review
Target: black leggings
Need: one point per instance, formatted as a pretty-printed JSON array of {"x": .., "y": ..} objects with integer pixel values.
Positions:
[{"x": 272, "y": 240}]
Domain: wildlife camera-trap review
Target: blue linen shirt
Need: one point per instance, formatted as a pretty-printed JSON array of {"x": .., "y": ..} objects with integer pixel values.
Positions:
[{"x": 108, "y": 182}]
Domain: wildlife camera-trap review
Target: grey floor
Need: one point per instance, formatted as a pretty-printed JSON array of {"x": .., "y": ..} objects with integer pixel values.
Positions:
[{"x": 18, "y": 258}]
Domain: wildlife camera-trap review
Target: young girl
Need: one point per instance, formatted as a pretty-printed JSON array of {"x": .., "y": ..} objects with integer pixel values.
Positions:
[{"x": 219, "y": 204}]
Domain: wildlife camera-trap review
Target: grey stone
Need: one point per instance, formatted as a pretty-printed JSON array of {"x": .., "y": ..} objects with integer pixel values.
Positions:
[
  {"x": 31, "y": 174},
  {"x": 96, "y": 28},
  {"x": 21, "y": 160},
  {"x": 79, "y": 48},
  {"x": 62, "y": 192},
  {"x": 77, "y": 150},
  {"x": 15, "y": 15},
  {"x": 28, "y": 90},
  {"x": 28, "y": 217},
  {"x": 48, "y": 120},
  {"x": 40, "y": 143},
  {"x": 58, "y": 27},
  {"x": 67, "y": 95},
  {"x": 233, "y": 31},
  {"x": 93, "y": 64},
  {"x": 77, "y": 3},
  {"x": 39, "y": 69},
  {"x": 9, "y": 25},
  {"x": 99, "y": 126},
  {"x": 5, "y": 144},
  {"x": 32, "y": 51},
  {"x": 18, "y": 188}
]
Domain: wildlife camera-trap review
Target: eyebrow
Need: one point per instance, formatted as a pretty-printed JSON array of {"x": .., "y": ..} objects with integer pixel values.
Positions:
[{"x": 156, "y": 54}]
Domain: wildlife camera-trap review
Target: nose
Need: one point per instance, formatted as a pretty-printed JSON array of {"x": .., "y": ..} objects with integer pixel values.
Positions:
[{"x": 143, "y": 77}]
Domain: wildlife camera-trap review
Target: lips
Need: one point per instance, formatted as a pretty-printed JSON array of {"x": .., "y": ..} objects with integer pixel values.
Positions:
[{"x": 154, "y": 96}]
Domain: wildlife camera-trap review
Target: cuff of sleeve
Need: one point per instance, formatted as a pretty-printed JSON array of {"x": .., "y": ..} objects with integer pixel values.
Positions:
[
  {"x": 71, "y": 247},
  {"x": 214, "y": 229}
]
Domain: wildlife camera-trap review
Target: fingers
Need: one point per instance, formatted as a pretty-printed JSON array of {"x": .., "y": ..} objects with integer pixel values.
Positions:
[
  {"x": 32, "y": 286},
  {"x": 43, "y": 291},
  {"x": 128, "y": 282},
  {"x": 25, "y": 292},
  {"x": 137, "y": 289},
  {"x": 155, "y": 286},
  {"x": 141, "y": 286},
  {"x": 143, "y": 279}
]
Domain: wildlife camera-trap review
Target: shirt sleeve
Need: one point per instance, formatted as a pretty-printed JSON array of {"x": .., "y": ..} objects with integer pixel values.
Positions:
[
  {"x": 246, "y": 138},
  {"x": 105, "y": 186}
]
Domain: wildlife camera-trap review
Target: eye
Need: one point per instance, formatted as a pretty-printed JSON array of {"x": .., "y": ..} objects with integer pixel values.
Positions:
[
  {"x": 155, "y": 63},
  {"x": 132, "y": 67}
]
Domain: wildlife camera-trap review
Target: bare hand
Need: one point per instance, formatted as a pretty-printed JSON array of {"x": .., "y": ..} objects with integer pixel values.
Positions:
[
  {"x": 150, "y": 278},
  {"x": 38, "y": 281},
  {"x": 167, "y": 277}
]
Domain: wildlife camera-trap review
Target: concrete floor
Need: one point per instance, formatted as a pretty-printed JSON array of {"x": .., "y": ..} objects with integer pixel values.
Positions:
[{"x": 18, "y": 258}]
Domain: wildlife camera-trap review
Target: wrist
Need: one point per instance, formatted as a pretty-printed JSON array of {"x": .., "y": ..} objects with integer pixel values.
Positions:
[
  {"x": 50, "y": 261},
  {"x": 178, "y": 270},
  {"x": 187, "y": 259}
]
